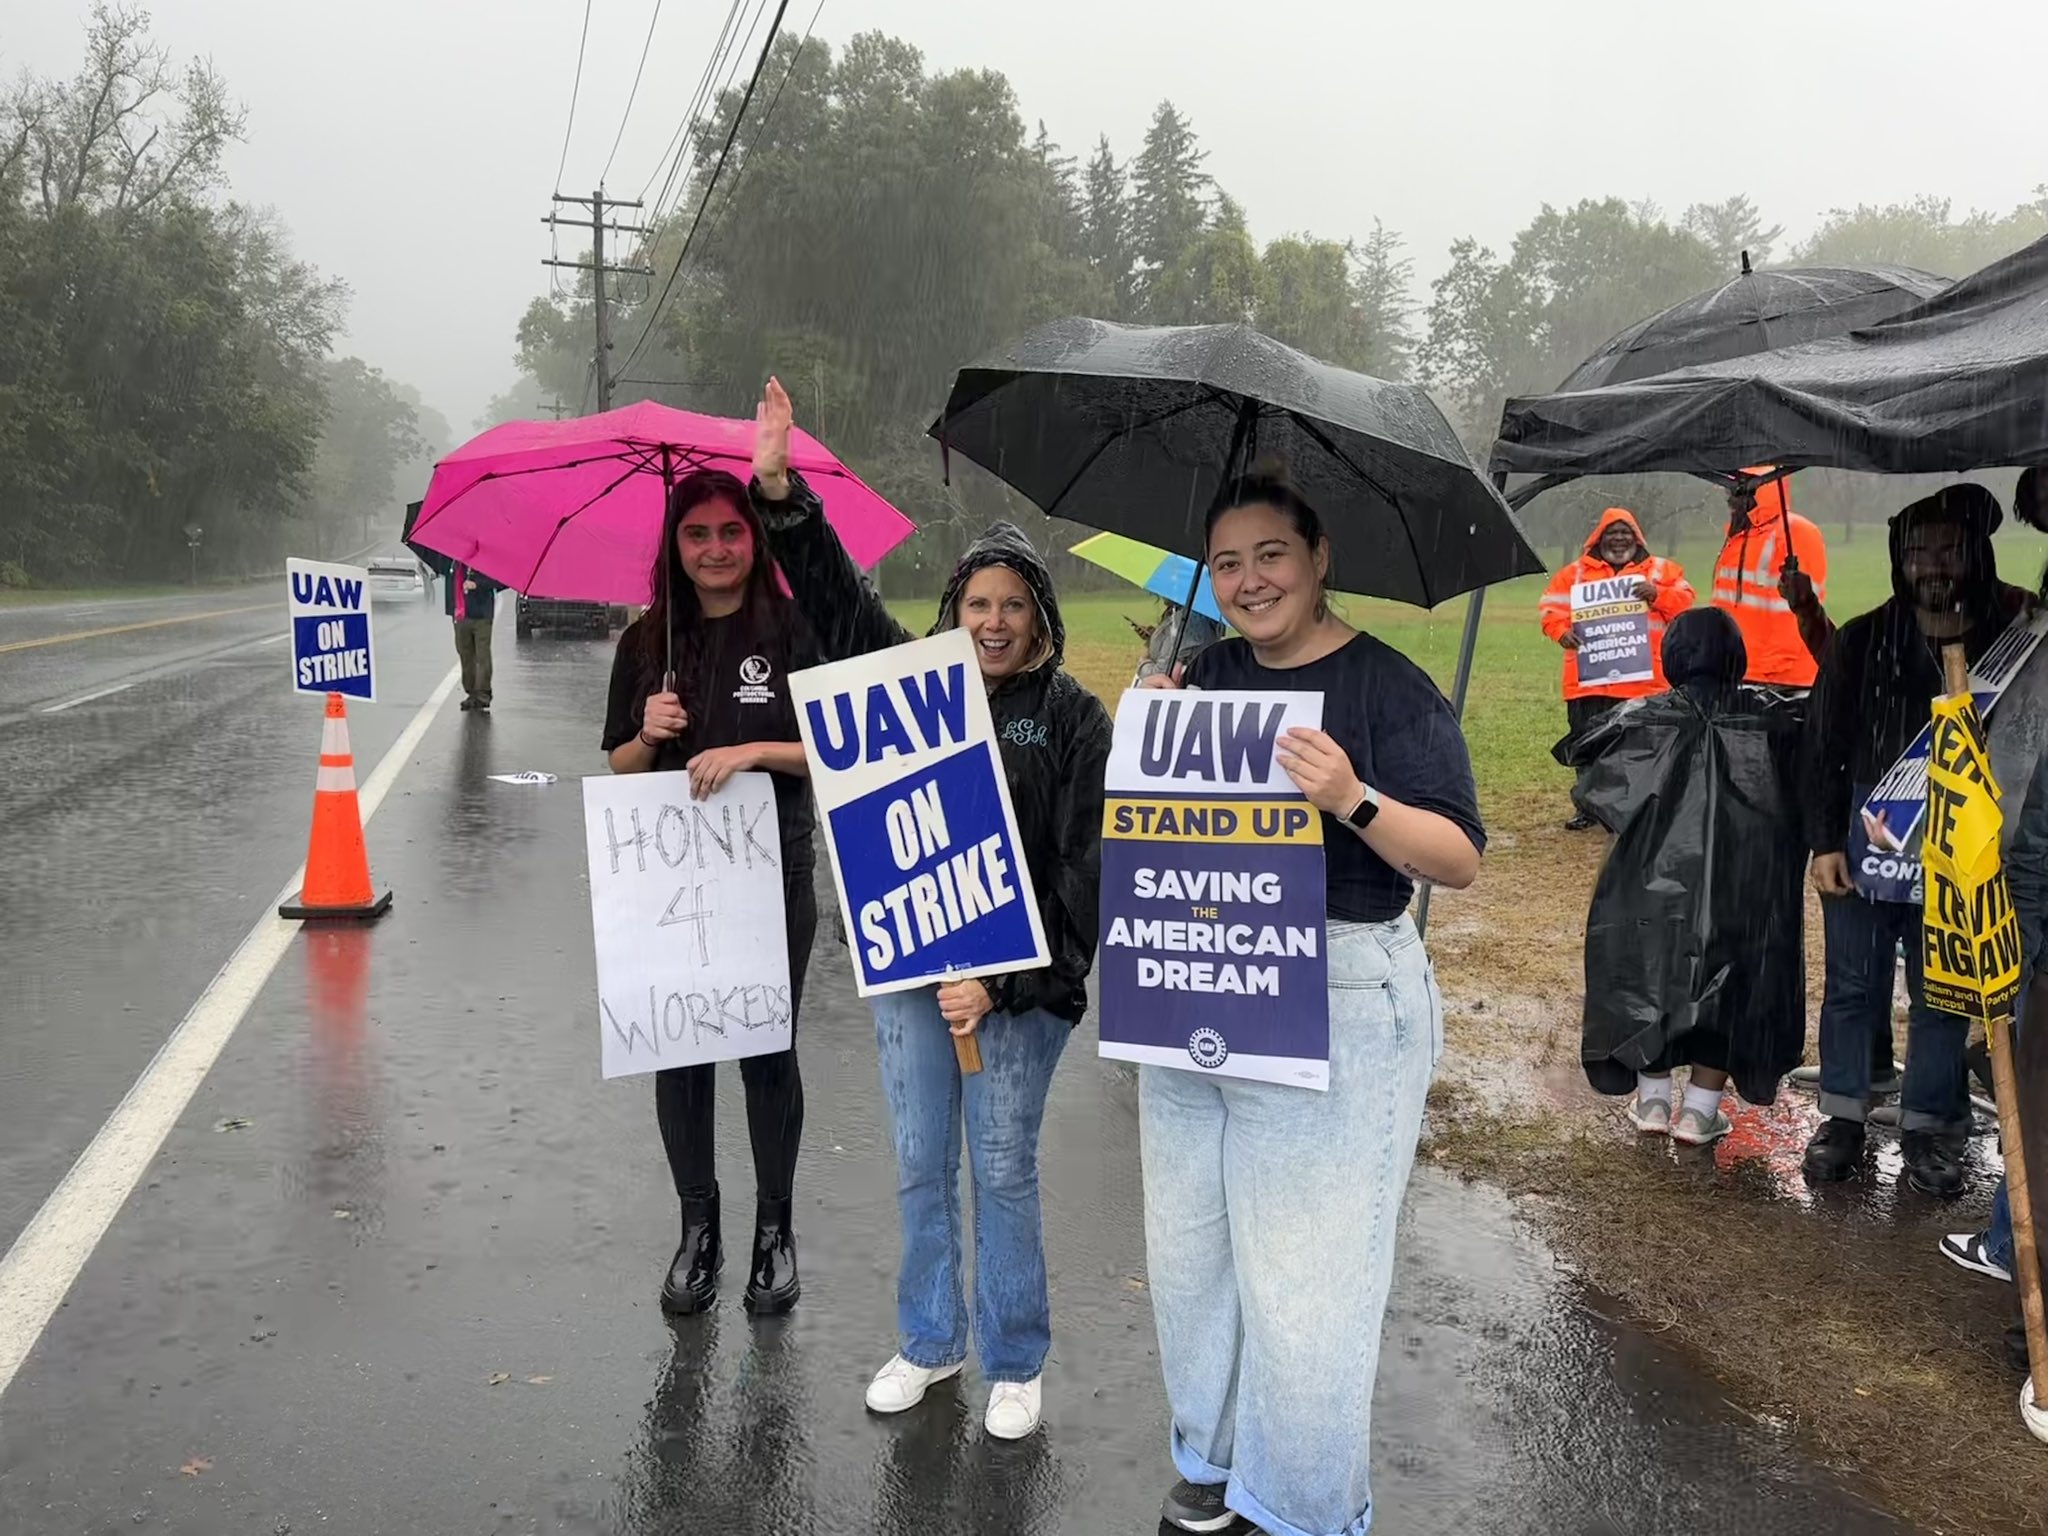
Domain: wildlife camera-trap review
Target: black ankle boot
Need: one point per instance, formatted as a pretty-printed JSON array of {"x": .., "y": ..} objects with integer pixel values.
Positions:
[
  {"x": 693, "y": 1272},
  {"x": 772, "y": 1285}
]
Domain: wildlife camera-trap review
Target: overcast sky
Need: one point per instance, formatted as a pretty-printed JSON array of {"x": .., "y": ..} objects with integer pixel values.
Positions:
[{"x": 412, "y": 147}]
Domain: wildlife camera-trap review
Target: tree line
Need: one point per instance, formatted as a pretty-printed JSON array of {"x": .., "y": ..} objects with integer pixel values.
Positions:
[
  {"x": 167, "y": 367},
  {"x": 879, "y": 224}
]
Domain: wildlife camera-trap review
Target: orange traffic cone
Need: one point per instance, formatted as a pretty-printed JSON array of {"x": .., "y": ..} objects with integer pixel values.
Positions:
[{"x": 337, "y": 884}]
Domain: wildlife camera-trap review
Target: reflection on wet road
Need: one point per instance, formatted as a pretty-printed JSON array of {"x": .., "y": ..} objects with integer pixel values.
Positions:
[{"x": 396, "y": 1269}]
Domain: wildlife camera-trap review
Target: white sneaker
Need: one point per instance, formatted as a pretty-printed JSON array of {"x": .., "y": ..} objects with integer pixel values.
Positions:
[
  {"x": 900, "y": 1386},
  {"x": 1650, "y": 1116},
  {"x": 1694, "y": 1129},
  {"x": 1014, "y": 1409}
]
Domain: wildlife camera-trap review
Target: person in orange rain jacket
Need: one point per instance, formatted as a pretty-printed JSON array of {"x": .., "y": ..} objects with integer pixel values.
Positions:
[
  {"x": 1616, "y": 549},
  {"x": 1772, "y": 579}
]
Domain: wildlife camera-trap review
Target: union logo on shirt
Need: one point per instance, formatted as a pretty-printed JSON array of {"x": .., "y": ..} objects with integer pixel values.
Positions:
[{"x": 754, "y": 674}]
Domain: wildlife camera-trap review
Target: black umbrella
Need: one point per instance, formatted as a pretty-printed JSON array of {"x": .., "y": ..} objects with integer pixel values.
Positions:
[
  {"x": 1137, "y": 430},
  {"x": 1755, "y": 312}
]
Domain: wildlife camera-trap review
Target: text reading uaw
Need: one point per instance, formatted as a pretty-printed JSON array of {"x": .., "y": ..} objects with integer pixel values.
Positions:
[{"x": 945, "y": 887}]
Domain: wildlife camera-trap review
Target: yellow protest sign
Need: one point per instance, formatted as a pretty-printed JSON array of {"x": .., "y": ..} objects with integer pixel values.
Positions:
[{"x": 1972, "y": 934}]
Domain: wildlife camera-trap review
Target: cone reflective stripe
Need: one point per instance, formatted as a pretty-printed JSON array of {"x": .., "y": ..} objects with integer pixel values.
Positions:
[{"x": 337, "y": 884}]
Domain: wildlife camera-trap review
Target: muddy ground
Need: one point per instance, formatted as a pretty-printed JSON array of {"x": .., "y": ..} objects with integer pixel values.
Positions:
[{"x": 1828, "y": 1309}]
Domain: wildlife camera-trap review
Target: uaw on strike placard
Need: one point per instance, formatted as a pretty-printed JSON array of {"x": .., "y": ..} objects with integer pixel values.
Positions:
[
  {"x": 329, "y": 606},
  {"x": 1213, "y": 900},
  {"x": 916, "y": 810}
]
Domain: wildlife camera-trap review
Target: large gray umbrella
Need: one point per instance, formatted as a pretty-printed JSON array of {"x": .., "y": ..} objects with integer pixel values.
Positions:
[
  {"x": 1137, "y": 430},
  {"x": 1755, "y": 312}
]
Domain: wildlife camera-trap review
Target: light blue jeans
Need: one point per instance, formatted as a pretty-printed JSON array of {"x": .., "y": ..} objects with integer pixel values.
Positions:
[
  {"x": 1270, "y": 1214},
  {"x": 1001, "y": 1108}
]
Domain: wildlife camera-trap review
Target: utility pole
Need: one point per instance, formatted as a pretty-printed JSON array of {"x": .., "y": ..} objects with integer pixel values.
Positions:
[
  {"x": 598, "y": 269},
  {"x": 557, "y": 408}
]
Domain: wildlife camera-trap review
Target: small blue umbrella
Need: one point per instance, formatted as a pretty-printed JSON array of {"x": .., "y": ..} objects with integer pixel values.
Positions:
[{"x": 1145, "y": 565}]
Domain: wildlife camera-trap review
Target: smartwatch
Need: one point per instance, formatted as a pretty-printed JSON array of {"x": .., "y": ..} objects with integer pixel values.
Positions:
[{"x": 1361, "y": 814}]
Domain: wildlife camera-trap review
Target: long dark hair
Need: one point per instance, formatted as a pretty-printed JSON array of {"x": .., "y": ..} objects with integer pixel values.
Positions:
[
  {"x": 1267, "y": 485},
  {"x": 674, "y": 608}
]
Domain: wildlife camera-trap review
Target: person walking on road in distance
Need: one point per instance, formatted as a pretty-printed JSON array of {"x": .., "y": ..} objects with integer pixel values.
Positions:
[
  {"x": 1882, "y": 672},
  {"x": 1054, "y": 738},
  {"x": 471, "y": 601},
  {"x": 1270, "y": 1210},
  {"x": 733, "y": 639},
  {"x": 1772, "y": 579},
  {"x": 1616, "y": 549}
]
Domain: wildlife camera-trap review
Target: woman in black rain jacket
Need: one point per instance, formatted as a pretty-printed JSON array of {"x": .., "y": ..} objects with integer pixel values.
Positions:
[{"x": 1054, "y": 738}]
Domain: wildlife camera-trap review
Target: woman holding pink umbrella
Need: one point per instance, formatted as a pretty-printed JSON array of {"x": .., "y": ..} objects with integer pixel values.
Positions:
[{"x": 701, "y": 683}]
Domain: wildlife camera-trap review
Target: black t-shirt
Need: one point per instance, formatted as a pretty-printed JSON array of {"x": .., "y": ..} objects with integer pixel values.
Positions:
[
  {"x": 734, "y": 683},
  {"x": 1402, "y": 739}
]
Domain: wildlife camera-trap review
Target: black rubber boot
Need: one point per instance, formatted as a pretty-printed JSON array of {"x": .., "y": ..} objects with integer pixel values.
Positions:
[
  {"x": 772, "y": 1284},
  {"x": 1934, "y": 1163},
  {"x": 1835, "y": 1152},
  {"x": 693, "y": 1272}
]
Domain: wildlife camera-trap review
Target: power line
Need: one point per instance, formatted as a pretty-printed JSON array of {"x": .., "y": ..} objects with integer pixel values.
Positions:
[
  {"x": 627, "y": 116},
  {"x": 683, "y": 255},
  {"x": 574, "y": 91},
  {"x": 680, "y": 177},
  {"x": 718, "y": 51},
  {"x": 761, "y": 133}
]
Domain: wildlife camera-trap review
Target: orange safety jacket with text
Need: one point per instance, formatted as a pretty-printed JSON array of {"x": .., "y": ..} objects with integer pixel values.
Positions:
[
  {"x": 1674, "y": 596},
  {"x": 1746, "y": 586}
]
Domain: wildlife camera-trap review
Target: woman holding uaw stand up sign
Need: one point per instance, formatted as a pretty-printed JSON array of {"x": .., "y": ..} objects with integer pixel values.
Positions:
[
  {"x": 936, "y": 763},
  {"x": 1270, "y": 1206}
]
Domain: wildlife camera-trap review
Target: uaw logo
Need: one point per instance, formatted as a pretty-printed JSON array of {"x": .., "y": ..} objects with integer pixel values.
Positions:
[
  {"x": 754, "y": 674},
  {"x": 1208, "y": 1049}
]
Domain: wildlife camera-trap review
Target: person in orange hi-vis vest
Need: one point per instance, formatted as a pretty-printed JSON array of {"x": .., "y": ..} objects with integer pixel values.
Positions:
[
  {"x": 1772, "y": 579},
  {"x": 1615, "y": 550}
]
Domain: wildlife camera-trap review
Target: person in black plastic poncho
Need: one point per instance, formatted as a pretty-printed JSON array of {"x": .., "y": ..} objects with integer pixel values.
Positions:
[
  {"x": 1054, "y": 738},
  {"x": 1694, "y": 945}
]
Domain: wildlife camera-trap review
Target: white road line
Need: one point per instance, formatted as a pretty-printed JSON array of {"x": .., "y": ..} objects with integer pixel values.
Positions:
[
  {"x": 274, "y": 640},
  {"x": 85, "y": 698},
  {"x": 46, "y": 1258}
]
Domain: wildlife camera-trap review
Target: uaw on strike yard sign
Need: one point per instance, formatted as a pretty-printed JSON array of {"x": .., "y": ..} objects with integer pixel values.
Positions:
[
  {"x": 330, "y": 614},
  {"x": 916, "y": 810},
  {"x": 686, "y": 904},
  {"x": 1213, "y": 901}
]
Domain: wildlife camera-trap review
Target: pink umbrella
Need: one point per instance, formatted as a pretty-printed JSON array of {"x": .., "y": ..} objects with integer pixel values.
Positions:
[{"x": 573, "y": 509}]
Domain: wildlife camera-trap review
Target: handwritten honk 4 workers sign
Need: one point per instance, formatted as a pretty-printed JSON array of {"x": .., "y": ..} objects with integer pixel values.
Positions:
[
  {"x": 329, "y": 607},
  {"x": 1213, "y": 901},
  {"x": 686, "y": 903},
  {"x": 917, "y": 814}
]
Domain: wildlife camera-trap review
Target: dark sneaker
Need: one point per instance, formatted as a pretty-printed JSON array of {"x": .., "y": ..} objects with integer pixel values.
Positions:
[
  {"x": 1835, "y": 1152},
  {"x": 1933, "y": 1164},
  {"x": 1581, "y": 823},
  {"x": 1974, "y": 1254},
  {"x": 468, "y": 704},
  {"x": 1197, "y": 1507}
]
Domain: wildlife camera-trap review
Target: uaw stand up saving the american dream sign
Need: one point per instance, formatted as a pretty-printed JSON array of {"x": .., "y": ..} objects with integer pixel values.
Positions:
[{"x": 1213, "y": 902}]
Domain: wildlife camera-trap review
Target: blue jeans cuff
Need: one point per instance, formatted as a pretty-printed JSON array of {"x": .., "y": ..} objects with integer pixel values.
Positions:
[
  {"x": 1921, "y": 1120},
  {"x": 1838, "y": 1106},
  {"x": 929, "y": 1359},
  {"x": 1245, "y": 1504},
  {"x": 1192, "y": 1467},
  {"x": 1196, "y": 1469}
]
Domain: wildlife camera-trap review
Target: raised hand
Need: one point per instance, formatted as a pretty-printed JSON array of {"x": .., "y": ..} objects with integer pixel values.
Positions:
[{"x": 772, "y": 419}]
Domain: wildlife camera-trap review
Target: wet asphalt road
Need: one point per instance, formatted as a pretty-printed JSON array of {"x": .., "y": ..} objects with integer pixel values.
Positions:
[{"x": 395, "y": 1270}]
